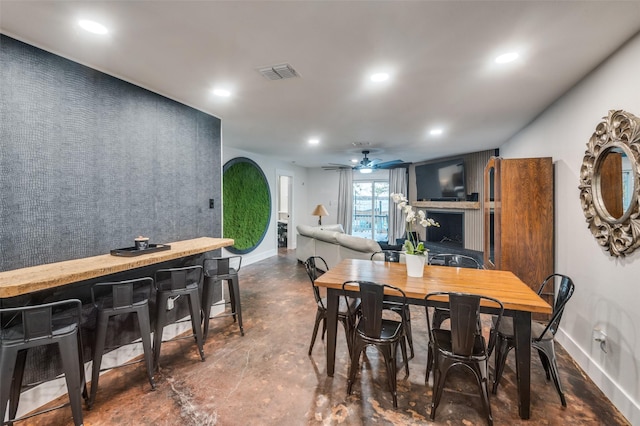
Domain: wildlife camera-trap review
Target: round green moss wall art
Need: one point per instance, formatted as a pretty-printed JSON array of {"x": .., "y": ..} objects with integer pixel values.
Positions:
[{"x": 246, "y": 204}]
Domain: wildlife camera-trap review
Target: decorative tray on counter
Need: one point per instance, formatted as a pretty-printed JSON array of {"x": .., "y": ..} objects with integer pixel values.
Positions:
[{"x": 132, "y": 251}]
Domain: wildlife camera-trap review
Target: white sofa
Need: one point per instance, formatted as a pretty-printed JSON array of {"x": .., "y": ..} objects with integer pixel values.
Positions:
[{"x": 332, "y": 244}]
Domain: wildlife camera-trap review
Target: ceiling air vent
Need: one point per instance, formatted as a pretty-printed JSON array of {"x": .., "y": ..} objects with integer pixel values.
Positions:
[{"x": 278, "y": 72}]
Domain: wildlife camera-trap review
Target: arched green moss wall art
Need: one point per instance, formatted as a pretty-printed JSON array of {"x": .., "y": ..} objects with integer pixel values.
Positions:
[{"x": 246, "y": 204}]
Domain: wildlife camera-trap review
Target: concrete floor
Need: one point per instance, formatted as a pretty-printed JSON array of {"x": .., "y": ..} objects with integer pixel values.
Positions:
[{"x": 267, "y": 378}]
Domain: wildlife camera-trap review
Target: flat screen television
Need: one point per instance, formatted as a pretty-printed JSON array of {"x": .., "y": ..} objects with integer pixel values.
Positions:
[{"x": 441, "y": 181}]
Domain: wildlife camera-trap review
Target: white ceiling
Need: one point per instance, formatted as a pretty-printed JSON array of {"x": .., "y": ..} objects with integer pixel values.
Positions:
[{"x": 439, "y": 53}]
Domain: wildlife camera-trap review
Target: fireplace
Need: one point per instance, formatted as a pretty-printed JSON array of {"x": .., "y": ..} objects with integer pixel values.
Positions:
[{"x": 451, "y": 229}]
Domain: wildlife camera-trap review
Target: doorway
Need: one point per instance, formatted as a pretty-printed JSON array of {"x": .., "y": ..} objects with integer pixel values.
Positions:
[{"x": 284, "y": 206}]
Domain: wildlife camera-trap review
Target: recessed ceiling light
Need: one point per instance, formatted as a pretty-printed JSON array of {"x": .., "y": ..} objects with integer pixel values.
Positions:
[
  {"x": 223, "y": 93},
  {"x": 354, "y": 160},
  {"x": 92, "y": 27},
  {"x": 314, "y": 141},
  {"x": 379, "y": 77},
  {"x": 435, "y": 132},
  {"x": 506, "y": 58}
]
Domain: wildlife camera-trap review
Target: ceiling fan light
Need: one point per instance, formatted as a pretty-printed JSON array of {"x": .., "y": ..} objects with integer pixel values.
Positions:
[{"x": 366, "y": 170}]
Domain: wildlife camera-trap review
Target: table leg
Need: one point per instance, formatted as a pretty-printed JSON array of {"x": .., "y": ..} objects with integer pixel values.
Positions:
[
  {"x": 333, "y": 300},
  {"x": 522, "y": 326}
]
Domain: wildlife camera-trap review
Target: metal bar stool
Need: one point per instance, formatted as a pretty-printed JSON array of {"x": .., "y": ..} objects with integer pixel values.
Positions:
[
  {"x": 118, "y": 298},
  {"x": 27, "y": 327},
  {"x": 217, "y": 270},
  {"x": 171, "y": 284}
]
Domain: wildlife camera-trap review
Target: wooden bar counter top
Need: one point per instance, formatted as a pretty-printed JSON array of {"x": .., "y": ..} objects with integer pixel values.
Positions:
[{"x": 35, "y": 278}]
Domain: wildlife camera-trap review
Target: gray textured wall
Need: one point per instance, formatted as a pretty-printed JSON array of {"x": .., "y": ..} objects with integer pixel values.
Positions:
[{"x": 88, "y": 162}]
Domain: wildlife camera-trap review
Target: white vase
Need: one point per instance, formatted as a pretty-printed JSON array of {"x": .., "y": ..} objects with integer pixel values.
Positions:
[{"x": 415, "y": 264}]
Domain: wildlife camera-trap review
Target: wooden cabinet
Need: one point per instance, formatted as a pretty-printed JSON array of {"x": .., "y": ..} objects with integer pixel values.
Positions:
[{"x": 519, "y": 218}]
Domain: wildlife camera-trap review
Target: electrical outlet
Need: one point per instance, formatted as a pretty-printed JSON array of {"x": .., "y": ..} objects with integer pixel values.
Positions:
[
  {"x": 601, "y": 337},
  {"x": 211, "y": 203},
  {"x": 170, "y": 304}
]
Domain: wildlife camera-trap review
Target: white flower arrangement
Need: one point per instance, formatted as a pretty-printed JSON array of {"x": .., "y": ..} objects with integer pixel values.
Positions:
[{"x": 411, "y": 245}]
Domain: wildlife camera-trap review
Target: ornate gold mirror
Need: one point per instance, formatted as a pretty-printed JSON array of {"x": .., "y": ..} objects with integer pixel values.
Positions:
[{"x": 609, "y": 183}]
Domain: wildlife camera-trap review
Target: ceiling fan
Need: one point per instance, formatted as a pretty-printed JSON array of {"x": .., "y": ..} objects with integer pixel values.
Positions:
[{"x": 367, "y": 165}]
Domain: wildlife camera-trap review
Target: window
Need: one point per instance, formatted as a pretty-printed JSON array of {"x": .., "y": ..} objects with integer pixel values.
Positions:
[{"x": 371, "y": 210}]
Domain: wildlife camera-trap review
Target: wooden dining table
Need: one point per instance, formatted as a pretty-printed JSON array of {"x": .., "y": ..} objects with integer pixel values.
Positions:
[{"x": 520, "y": 302}]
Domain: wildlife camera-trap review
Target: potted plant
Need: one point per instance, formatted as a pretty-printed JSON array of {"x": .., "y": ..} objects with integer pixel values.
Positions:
[{"x": 415, "y": 251}]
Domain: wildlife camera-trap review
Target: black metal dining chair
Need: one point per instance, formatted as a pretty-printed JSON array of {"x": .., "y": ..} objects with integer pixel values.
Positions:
[
  {"x": 28, "y": 327},
  {"x": 397, "y": 256},
  {"x": 216, "y": 271},
  {"x": 171, "y": 284},
  {"x": 112, "y": 299},
  {"x": 372, "y": 329},
  {"x": 461, "y": 346},
  {"x": 542, "y": 336},
  {"x": 347, "y": 309},
  {"x": 454, "y": 261}
]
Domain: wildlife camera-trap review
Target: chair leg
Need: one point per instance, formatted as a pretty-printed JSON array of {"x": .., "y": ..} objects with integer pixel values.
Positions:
[
  {"x": 207, "y": 301},
  {"x": 161, "y": 318},
  {"x": 98, "y": 351},
  {"x": 482, "y": 379},
  {"x": 545, "y": 364},
  {"x": 438, "y": 385},
  {"x": 492, "y": 341},
  {"x": 388, "y": 352},
  {"x": 194, "y": 308},
  {"x": 502, "y": 351},
  {"x": 403, "y": 349},
  {"x": 69, "y": 354},
  {"x": 11, "y": 366},
  {"x": 235, "y": 300},
  {"x": 547, "y": 351},
  {"x": 429, "y": 362},
  {"x": 17, "y": 383},
  {"x": 232, "y": 298},
  {"x": 145, "y": 331},
  {"x": 319, "y": 317},
  {"x": 347, "y": 331},
  {"x": 358, "y": 346},
  {"x": 408, "y": 334},
  {"x": 324, "y": 327}
]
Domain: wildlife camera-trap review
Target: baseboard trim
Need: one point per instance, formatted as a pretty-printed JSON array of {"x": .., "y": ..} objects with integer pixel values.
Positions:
[{"x": 618, "y": 396}]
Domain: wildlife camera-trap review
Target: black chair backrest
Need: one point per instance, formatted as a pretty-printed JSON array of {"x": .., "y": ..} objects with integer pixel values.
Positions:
[
  {"x": 565, "y": 291},
  {"x": 371, "y": 304},
  {"x": 177, "y": 278},
  {"x": 455, "y": 260},
  {"x": 222, "y": 265},
  {"x": 28, "y": 323},
  {"x": 465, "y": 311},
  {"x": 465, "y": 316},
  {"x": 313, "y": 272},
  {"x": 389, "y": 255},
  {"x": 121, "y": 291}
]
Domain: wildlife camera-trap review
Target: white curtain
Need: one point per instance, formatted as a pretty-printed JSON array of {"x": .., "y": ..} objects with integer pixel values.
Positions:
[
  {"x": 345, "y": 199},
  {"x": 397, "y": 184}
]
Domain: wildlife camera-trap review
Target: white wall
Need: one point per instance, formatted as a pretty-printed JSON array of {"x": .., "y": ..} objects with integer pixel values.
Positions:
[
  {"x": 322, "y": 188},
  {"x": 271, "y": 167},
  {"x": 607, "y": 289}
]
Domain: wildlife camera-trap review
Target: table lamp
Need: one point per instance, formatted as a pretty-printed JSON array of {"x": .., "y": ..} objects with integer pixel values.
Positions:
[{"x": 320, "y": 211}]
